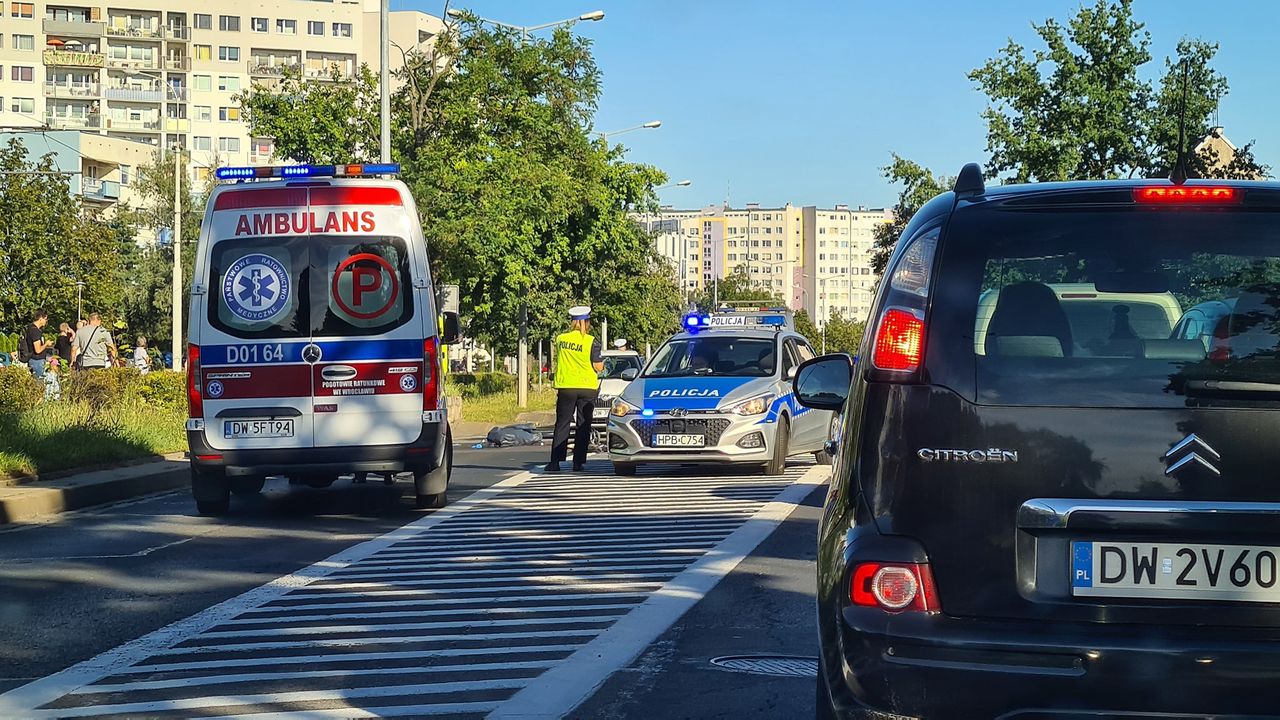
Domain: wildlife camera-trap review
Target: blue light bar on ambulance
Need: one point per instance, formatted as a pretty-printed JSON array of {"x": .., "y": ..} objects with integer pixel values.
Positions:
[{"x": 296, "y": 171}]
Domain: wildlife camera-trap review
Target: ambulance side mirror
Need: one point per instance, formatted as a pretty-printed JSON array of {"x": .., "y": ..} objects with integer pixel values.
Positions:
[{"x": 449, "y": 328}]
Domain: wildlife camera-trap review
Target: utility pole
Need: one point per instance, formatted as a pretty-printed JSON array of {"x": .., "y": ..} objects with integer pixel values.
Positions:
[
  {"x": 177, "y": 260},
  {"x": 522, "y": 359},
  {"x": 384, "y": 82},
  {"x": 604, "y": 334}
]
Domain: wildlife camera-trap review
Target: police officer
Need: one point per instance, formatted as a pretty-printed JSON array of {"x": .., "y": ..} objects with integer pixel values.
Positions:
[{"x": 578, "y": 363}]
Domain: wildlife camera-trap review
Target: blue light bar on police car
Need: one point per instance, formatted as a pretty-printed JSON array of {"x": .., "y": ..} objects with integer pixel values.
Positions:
[{"x": 296, "y": 171}]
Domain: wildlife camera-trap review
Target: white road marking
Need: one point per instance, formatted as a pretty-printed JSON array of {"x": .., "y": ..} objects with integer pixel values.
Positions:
[{"x": 519, "y": 599}]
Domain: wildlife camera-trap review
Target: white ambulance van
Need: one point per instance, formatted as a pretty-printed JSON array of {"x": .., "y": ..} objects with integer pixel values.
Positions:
[{"x": 314, "y": 341}]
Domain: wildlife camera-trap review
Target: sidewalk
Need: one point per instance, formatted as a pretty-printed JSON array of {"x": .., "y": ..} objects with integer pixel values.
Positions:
[{"x": 38, "y": 498}]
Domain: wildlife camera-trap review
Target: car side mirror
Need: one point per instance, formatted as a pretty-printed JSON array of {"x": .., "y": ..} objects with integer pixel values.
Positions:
[
  {"x": 450, "y": 331},
  {"x": 630, "y": 374},
  {"x": 823, "y": 382},
  {"x": 790, "y": 374}
]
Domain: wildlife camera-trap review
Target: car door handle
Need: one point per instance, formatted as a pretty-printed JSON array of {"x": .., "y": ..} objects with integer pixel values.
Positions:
[{"x": 338, "y": 373}]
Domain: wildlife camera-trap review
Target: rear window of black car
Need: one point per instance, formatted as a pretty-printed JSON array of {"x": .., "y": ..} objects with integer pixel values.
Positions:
[{"x": 1119, "y": 307}]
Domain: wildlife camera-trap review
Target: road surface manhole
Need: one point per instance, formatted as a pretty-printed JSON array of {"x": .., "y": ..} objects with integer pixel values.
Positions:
[{"x": 778, "y": 665}]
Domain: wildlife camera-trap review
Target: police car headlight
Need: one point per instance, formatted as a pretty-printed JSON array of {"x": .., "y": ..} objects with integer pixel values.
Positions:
[
  {"x": 754, "y": 406},
  {"x": 622, "y": 408}
]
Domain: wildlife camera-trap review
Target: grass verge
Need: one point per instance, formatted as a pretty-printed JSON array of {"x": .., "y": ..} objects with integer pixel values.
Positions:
[
  {"x": 63, "y": 435},
  {"x": 500, "y": 408}
]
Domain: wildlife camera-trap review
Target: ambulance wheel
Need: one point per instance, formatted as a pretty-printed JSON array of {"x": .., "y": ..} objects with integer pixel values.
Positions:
[
  {"x": 432, "y": 487},
  {"x": 624, "y": 468},
  {"x": 247, "y": 485},
  {"x": 778, "y": 464},
  {"x": 209, "y": 488}
]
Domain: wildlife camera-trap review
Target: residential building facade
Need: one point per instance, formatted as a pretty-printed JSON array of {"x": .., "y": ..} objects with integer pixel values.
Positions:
[
  {"x": 165, "y": 72},
  {"x": 102, "y": 170}
]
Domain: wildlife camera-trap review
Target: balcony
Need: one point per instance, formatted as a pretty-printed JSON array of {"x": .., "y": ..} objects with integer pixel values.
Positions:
[
  {"x": 139, "y": 32},
  {"x": 178, "y": 94},
  {"x": 74, "y": 58},
  {"x": 74, "y": 28},
  {"x": 177, "y": 125},
  {"x": 73, "y": 122},
  {"x": 131, "y": 64},
  {"x": 99, "y": 190},
  {"x": 149, "y": 95},
  {"x": 177, "y": 34},
  {"x": 325, "y": 72},
  {"x": 71, "y": 91},
  {"x": 177, "y": 64},
  {"x": 127, "y": 125},
  {"x": 267, "y": 68}
]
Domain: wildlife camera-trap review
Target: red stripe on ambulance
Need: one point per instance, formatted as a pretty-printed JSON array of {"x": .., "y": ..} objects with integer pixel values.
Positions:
[
  {"x": 375, "y": 378},
  {"x": 243, "y": 382}
]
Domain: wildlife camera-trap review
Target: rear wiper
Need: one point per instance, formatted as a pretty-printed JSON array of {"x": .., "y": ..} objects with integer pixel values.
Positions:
[{"x": 1231, "y": 387}]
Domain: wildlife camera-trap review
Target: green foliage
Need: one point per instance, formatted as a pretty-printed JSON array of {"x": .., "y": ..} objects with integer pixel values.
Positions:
[
  {"x": 735, "y": 287},
  {"x": 919, "y": 186},
  {"x": 8, "y": 343},
  {"x": 64, "y": 435},
  {"x": 99, "y": 389},
  {"x": 161, "y": 389},
  {"x": 520, "y": 204},
  {"x": 47, "y": 242},
  {"x": 317, "y": 122},
  {"x": 476, "y": 385},
  {"x": 1079, "y": 109},
  {"x": 842, "y": 334},
  {"x": 19, "y": 390}
]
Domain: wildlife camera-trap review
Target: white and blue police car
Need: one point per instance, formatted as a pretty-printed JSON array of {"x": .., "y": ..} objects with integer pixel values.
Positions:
[{"x": 719, "y": 392}]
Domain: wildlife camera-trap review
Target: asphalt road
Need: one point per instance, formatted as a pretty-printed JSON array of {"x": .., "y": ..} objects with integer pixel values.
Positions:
[{"x": 540, "y": 592}]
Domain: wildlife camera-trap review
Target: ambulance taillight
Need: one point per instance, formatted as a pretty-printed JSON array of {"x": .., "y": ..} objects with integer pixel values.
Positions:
[
  {"x": 195, "y": 400},
  {"x": 430, "y": 374}
]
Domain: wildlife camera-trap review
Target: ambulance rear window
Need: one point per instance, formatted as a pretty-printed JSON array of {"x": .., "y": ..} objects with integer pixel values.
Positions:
[
  {"x": 259, "y": 287},
  {"x": 284, "y": 287}
]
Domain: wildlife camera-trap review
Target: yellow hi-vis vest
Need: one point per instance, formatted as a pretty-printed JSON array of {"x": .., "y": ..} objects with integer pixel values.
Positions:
[{"x": 573, "y": 362}]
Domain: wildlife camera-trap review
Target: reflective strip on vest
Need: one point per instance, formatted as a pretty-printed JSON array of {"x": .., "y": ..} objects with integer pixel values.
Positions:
[{"x": 573, "y": 361}]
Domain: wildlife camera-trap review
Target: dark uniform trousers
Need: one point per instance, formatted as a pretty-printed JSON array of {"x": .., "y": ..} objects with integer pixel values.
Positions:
[{"x": 571, "y": 401}]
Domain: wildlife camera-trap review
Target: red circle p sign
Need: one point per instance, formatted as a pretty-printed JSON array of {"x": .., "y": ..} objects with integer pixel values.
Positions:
[{"x": 365, "y": 286}]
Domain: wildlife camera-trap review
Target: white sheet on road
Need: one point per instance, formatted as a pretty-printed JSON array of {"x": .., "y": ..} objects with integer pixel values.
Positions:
[{"x": 560, "y": 581}]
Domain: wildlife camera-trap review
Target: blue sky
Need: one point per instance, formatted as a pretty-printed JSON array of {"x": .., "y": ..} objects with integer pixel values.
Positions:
[{"x": 802, "y": 102}]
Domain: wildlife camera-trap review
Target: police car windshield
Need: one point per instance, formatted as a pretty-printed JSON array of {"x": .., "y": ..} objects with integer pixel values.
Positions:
[{"x": 717, "y": 355}]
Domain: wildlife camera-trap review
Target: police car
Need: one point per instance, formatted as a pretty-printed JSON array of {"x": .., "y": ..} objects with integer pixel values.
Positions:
[
  {"x": 314, "y": 336},
  {"x": 719, "y": 392}
]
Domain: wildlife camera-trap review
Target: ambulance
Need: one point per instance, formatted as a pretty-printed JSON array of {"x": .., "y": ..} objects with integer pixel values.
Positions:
[{"x": 314, "y": 339}]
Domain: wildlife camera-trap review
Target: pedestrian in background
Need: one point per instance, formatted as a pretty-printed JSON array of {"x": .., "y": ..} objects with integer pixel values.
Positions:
[
  {"x": 94, "y": 347},
  {"x": 141, "y": 357},
  {"x": 33, "y": 349},
  {"x": 65, "y": 345},
  {"x": 578, "y": 364}
]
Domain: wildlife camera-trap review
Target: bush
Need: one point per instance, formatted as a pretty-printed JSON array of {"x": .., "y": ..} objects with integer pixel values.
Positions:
[
  {"x": 494, "y": 383},
  {"x": 19, "y": 389},
  {"x": 163, "y": 389},
  {"x": 100, "y": 389}
]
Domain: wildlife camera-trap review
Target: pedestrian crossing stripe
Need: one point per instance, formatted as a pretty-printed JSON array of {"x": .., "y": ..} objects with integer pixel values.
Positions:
[{"x": 518, "y": 600}]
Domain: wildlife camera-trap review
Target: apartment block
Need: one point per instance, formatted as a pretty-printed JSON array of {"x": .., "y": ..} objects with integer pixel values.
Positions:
[
  {"x": 102, "y": 170},
  {"x": 164, "y": 72},
  {"x": 816, "y": 258}
]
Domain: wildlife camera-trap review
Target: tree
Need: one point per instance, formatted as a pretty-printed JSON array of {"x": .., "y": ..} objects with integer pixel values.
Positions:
[
  {"x": 1080, "y": 109},
  {"x": 737, "y": 286},
  {"x": 841, "y": 334},
  {"x": 146, "y": 272},
  {"x": 47, "y": 243},
  {"x": 520, "y": 205},
  {"x": 317, "y": 122},
  {"x": 919, "y": 186}
]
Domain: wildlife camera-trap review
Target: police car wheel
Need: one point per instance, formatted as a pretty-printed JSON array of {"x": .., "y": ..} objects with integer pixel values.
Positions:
[
  {"x": 822, "y": 457},
  {"x": 778, "y": 464},
  {"x": 209, "y": 488},
  {"x": 624, "y": 468}
]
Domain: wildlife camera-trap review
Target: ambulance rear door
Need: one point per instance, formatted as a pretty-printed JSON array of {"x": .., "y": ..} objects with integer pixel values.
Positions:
[{"x": 370, "y": 315}]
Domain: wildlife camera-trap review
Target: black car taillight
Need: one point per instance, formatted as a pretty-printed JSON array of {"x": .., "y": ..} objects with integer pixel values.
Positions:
[
  {"x": 898, "y": 346},
  {"x": 894, "y": 587}
]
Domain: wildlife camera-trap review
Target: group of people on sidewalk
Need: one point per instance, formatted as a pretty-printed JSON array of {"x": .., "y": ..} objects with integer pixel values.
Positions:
[{"x": 89, "y": 347}]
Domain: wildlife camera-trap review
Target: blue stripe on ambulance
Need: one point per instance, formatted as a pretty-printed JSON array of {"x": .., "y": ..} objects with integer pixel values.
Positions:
[{"x": 270, "y": 353}]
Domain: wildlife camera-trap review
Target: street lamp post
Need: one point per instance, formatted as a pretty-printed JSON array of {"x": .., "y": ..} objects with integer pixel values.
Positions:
[
  {"x": 593, "y": 16},
  {"x": 651, "y": 125},
  {"x": 79, "y": 302},
  {"x": 648, "y": 227}
]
